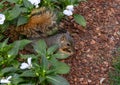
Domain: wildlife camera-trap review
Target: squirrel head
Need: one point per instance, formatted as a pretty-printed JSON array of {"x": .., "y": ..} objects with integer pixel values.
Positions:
[{"x": 66, "y": 45}]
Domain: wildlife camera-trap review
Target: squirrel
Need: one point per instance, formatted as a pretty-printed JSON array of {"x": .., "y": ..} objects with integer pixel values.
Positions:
[
  {"x": 63, "y": 40},
  {"x": 42, "y": 25}
]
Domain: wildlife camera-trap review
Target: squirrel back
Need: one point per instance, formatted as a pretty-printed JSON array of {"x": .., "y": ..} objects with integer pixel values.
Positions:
[{"x": 41, "y": 21}]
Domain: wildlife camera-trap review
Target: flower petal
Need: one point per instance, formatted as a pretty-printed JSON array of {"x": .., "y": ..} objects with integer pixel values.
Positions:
[
  {"x": 24, "y": 66},
  {"x": 1, "y": 22},
  {"x": 4, "y": 81},
  {"x": 29, "y": 61},
  {"x": 31, "y": 1},
  {"x": 35, "y": 2},
  {"x": 70, "y": 7},
  {"x": 9, "y": 77},
  {"x": 2, "y": 18},
  {"x": 67, "y": 12}
]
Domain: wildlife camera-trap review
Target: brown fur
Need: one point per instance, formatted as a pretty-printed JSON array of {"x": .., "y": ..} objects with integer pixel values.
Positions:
[{"x": 41, "y": 20}]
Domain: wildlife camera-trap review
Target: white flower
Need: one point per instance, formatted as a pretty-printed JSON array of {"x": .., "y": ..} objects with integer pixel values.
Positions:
[
  {"x": 2, "y": 18},
  {"x": 6, "y": 80},
  {"x": 67, "y": 12},
  {"x": 35, "y": 2},
  {"x": 27, "y": 65},
  {"x": 70, "y": 7}
]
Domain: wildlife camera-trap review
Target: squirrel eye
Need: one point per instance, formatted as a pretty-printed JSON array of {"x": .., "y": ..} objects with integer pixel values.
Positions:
[{"x": 68, "y": 44}]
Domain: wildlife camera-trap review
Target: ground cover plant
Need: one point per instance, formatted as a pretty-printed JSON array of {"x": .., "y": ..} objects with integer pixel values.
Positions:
[
  {"x": 115, "y": 73},
  {"x": 42, "y": 68}
]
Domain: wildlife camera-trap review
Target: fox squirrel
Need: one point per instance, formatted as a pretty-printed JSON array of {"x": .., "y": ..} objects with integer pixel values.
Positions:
[{"x": 42, "y": 25}]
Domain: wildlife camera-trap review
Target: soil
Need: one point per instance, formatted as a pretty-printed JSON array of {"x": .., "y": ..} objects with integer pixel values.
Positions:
[{"x": 95, "y": 44}]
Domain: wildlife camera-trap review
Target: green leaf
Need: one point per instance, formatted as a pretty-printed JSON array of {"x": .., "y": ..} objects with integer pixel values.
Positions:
[
  {"x": 28, "y": 73},
  {"x": 24, "y": 10},
  {"x": 3, "y": 44},
  {"x": 1, "y": 5},
  {"x": 22, "y": 20},
  {"x": 41, "y": 79},
  {"x": 28, "y": 56},
  {"x": 60, "y": 55},
  {"x": 14, "y": 50},
  {"x": 61, "y": 68},
  {"x": 52, "y": 49},
  {"x": 44, "y": 63},
  {"x": 15, "y": 64},
  {"x": 27, "y": 4},
  {"x": 80, "y": 19},
  {"x": 14, "y": 13},
  {"x": 16, "y": 79},
  {"x": 8, "y": 70},
  {"x": 57, "y": 80},
  {"x": 40, "y": 47},
  {"x": 18, "y": 45}
]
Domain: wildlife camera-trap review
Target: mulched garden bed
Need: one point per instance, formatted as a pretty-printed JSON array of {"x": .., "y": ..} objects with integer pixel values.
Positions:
[{"x": 95, "y": 44}]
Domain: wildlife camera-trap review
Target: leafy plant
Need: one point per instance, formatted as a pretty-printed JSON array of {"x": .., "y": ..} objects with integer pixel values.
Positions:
[
  {"x": 115, "y": 74},
  {"x": 9, "y": 52},
  {"x": 40, "y": 69},
  {"x": 16, "y": 11}
]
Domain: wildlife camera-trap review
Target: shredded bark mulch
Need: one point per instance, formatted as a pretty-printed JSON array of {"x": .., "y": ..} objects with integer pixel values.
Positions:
[{"x": 95, "y": 44}]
